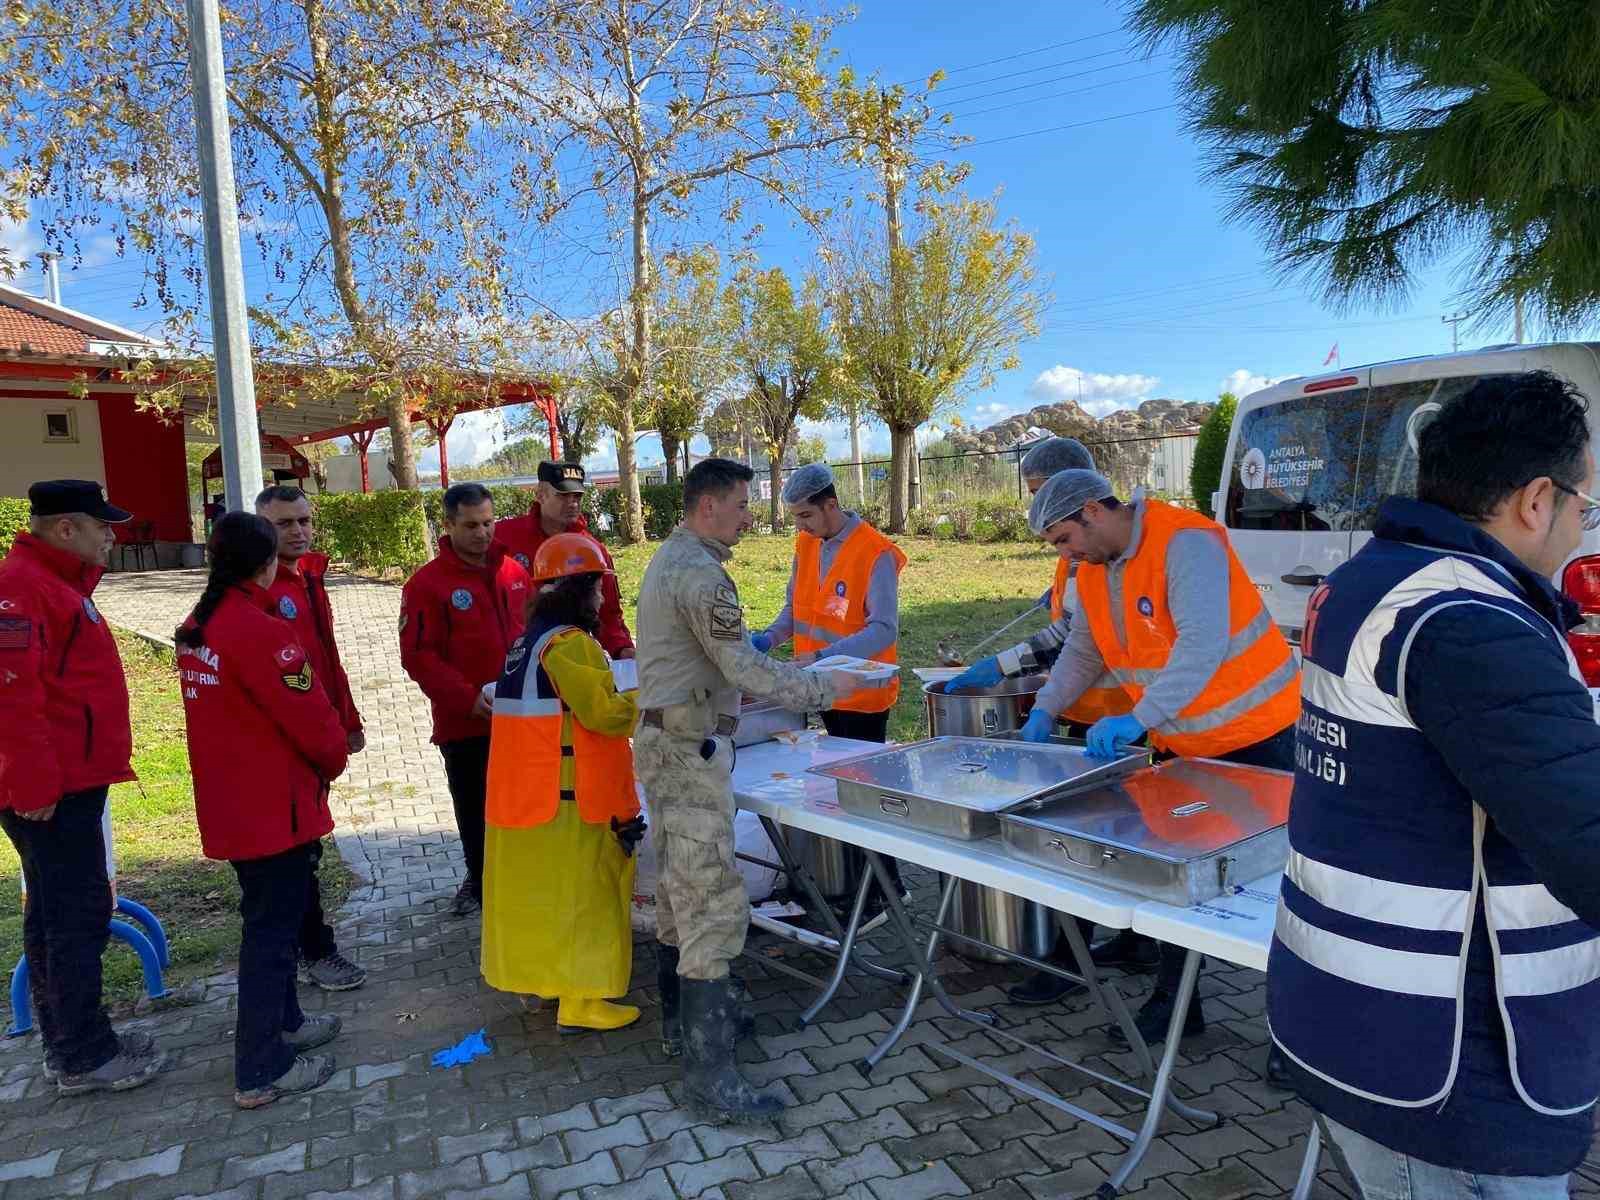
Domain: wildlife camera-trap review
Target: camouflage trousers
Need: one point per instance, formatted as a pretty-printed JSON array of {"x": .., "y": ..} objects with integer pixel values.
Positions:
[{"x": 701, "y": 904}]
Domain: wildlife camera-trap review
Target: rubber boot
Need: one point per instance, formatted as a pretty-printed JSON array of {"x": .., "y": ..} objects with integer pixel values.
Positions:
[
  {"x": 667, "y": 982},
  {"x": 711, "y": 1080},
  {"x": 580, "y": 1016},
  {"x": 671, "y": 1021}
]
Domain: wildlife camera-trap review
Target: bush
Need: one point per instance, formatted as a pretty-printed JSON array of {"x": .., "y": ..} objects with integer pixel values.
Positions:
[
  {"x": 1210, "y": 448},
  {"x": 374, "y": 532},
  {"x": 662, "y": 503},
  {"x": 1007, "y": 521},
  {"x": 961, "y": 523},
  {"x": 944, "y": 533},
  {"x": 922, "y": 522},
  {"x": 13, "y": 519}
]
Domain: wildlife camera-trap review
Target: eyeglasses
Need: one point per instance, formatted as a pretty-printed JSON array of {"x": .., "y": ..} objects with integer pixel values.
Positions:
[{"x": 1589, "y": 514}]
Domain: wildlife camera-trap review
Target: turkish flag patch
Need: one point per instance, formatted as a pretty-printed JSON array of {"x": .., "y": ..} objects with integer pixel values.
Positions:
[{"x": 16, "y": 633}]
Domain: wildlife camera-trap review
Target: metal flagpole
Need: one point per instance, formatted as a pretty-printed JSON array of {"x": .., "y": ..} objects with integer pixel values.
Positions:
[{"x": 230, "y": 331}]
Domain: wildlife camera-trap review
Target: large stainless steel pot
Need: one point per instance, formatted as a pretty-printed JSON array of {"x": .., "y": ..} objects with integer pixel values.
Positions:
[
  {"x": 981, "y": 713},
  {"x": 835, "y": 865},
  {"x": 1002, "y": 920}
]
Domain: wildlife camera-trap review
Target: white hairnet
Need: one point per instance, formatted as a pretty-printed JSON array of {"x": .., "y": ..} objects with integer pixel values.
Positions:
[
  {"x": 1045, "y": 458},
  {"x": 806, "y": 482},
  {"x": 1065, "y": 493}
]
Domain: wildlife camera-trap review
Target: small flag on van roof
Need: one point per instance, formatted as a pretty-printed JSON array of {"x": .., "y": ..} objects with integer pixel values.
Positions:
[{"x": 1333, "y": 355}]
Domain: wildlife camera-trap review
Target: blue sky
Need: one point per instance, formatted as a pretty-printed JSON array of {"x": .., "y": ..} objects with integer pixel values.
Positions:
[{"x": 1154, "y": 295}]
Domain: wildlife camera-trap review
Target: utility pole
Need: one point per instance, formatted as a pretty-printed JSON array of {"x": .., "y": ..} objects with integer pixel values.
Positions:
[
  {"x": 1453, "y": 321},
  {"x": 230, "y": 330}
]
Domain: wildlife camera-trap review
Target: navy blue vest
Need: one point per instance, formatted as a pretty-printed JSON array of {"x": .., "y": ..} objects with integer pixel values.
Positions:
[{"x": 1390, "y": 860}]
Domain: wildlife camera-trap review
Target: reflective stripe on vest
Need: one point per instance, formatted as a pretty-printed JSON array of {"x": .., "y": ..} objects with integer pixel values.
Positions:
[
  {"x": 1254, "y": 693},
  {"x": 828, "y": 609},
  {"x": 1366, "y": 982},
  {"x": 529, "y": 738}
]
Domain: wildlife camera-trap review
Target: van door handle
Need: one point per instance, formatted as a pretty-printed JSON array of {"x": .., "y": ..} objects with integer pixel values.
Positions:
[{"x": 1303, "y": 577}]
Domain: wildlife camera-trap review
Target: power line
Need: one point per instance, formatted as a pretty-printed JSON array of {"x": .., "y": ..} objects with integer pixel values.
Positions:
[
  {"x": 1050, "y": 66},
  {"x": 1093, "y": 87},
  {"x": 1072, "y": 125},
  {"x": 989, "y": 62}
]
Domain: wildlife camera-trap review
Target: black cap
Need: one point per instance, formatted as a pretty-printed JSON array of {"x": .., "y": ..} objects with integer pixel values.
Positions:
[
  {"x": 564, "y": 477},
  {"x": 54, "y": 497}
]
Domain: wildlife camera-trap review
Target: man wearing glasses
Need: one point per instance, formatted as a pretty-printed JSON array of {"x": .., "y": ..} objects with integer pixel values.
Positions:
[{"x": 1435, "y": 972}]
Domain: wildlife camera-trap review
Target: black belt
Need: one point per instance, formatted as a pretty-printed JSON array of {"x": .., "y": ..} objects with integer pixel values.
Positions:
[{"x": 652, "y": 717}]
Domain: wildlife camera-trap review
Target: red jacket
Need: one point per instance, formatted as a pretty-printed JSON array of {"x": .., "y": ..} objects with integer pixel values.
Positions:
[
  {"x": 263, "y": 739},
  {"x": 456, "y": 624},
  {"x": 301, "y": 598},
  {"x": 523, "y": 536},
  {"x": 63, "y": 697}
]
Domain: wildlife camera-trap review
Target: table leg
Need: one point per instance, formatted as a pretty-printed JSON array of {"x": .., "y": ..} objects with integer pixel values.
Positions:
[
  {"x": 1159, "y": 1090},
  {"x": 908, "y": 935},
  {"x": 1106, "y": 994},
  {"x": 1308, "y": 1165},
  {"x": 847, "y": 942}
]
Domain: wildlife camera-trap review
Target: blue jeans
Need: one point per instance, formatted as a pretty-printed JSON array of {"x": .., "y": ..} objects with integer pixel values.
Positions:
[{"x": 1379, "y": 1173}]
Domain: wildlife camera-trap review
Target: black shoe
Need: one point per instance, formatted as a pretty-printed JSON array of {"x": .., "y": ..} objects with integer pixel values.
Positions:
[
  {"x": 671, "y": 1001},
  {"x": 1042, "y": 988},
  {"x": 467, "y": 900},
  {"x": 711, "y": 1080},
  {"x": 1278, "y": 1070},
  {"x": 1156, "y": 1015},
  {"x": 1129, "y": 950}
]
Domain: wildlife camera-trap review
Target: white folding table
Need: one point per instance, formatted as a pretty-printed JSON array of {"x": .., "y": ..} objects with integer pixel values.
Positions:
[{"x": 771, "y": 780}]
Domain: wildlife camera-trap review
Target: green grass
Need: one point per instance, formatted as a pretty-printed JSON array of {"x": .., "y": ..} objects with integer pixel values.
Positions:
[
  {"x": 959, "y": 590},
  {"x": 159, "y": 863}
]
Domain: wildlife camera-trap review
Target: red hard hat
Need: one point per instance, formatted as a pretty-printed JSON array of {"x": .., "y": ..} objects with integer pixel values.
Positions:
[{"x": 568, "y": 554}]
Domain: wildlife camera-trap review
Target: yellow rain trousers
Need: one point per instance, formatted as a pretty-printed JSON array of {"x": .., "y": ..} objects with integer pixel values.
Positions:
[{"x": 556, "y": 897}]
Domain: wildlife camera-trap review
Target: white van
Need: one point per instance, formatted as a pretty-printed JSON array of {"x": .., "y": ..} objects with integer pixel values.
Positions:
[{"x": 1309, "y": 460}]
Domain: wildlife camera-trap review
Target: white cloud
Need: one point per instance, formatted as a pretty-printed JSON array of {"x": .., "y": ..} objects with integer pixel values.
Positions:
[
  {"x": 835, "y": 436},
  {"x": 1242, "y": 382},
  {"x": 473, "y": 437},
  {"x": 1099, "y": 393}
]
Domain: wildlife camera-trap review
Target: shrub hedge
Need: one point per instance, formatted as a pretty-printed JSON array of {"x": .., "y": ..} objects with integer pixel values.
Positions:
[
  {"x": 375, "y": 532},
  {"x": 13, "y": 518}
]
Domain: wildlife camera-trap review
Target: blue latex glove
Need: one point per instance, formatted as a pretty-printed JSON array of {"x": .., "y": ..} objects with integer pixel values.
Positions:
[
  {"x": 1106, "y": 734},
  {"x": 1039, "y": 726},
  {"x": 982, "y": 674},
  {"x": 762, "y": 642}
]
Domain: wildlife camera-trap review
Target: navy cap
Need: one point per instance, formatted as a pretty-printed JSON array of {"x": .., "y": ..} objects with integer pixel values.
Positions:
[
  {"x": 564, "y": 477},
  {"x": 55, "y": 497}
]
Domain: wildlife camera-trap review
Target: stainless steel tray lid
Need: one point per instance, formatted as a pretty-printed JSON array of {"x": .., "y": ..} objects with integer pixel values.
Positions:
[
  {"x": 980, "y": 774},
  {"x": 1179, "y": 810}
]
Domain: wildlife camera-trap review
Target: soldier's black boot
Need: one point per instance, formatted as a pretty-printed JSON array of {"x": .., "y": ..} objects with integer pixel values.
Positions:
[
  {"x": 667, "y": 981},
  {"x": 671, "y": 1020},
  {"x": 711, "y": 1080}
]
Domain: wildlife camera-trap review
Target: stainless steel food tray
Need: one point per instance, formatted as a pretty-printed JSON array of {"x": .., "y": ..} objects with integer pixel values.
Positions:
[
  {"x": 760, "y": 720},
  {"x": 1182, "y": 832},
  {"x": 958, "y": 786}
]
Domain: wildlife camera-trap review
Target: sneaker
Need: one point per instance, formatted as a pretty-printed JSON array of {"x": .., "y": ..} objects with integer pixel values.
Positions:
[
  {"x": 467, "y": 901},
  {"x": 1128, "y": 950},
  {"x": 306, "y": 1072},
  {"x": 335, "y": 973},
  {"x": 314, "y": 1031},
  {"x": 125, "y": 1071},
  {"x": 135, "y": 1043}
]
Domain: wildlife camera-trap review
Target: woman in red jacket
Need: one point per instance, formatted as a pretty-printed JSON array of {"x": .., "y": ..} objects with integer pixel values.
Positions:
[{"x": 264, "y": 741}]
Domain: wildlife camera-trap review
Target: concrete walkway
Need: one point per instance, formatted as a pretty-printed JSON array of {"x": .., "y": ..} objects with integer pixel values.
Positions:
[{"x": 595, "y": 1115}]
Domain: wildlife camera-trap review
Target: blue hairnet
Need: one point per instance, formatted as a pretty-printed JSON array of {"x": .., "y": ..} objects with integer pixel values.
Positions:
[{"x": 1064, "y": 494}]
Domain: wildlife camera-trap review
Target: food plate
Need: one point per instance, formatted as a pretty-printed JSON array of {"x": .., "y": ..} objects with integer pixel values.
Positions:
[{"x": 869, "y": 672}]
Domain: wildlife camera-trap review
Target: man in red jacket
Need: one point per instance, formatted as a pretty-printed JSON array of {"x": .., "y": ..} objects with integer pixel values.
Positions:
[
  {"x": 557, "y": 509},
  {"x": 459, "y": 615},
  {"x": 300, "y": 597},
  {"x": 67, "y": 738}
]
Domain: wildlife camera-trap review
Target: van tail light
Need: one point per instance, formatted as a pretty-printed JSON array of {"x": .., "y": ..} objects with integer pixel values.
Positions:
[{"x": 1581, "y": 582}]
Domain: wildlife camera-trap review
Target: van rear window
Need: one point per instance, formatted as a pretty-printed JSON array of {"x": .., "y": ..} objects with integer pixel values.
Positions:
[{"x": 1295, "y": 464}]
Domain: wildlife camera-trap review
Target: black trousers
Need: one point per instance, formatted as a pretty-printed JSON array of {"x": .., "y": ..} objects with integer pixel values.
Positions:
[
  {"x": 864, "y": 727},
  {"x": 316, "y": 935},
  {"x": 272, "y": 902},
  {"x": 65, "y": 927},
  {"x": 1276, "y": 752},
  {"x": 466, "y": 767}
]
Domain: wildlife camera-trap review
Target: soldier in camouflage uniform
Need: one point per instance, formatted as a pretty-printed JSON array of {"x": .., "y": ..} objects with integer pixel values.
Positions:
[{"x": 692, "y": 646}]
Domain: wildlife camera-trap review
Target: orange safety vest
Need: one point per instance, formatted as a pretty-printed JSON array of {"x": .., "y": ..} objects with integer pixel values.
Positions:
[
  {"x": 1254, "y": 694},
  {"x": 826, "y": 610},
  {"x": 528, "y": 738},
  {"x": 1104, "y": 697}
]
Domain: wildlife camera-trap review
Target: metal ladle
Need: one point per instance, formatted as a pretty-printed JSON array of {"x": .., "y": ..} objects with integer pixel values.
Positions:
[{"x": 949, "y": 656}]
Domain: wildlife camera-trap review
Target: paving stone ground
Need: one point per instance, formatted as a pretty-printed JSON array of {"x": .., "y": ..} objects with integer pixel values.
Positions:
[{"x": 595, "y": 1117}]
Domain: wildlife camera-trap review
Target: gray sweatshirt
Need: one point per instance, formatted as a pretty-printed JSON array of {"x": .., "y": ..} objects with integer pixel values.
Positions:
[
  {"x": 1197, "y": 597},
  {"x": 882, "y": 602}
]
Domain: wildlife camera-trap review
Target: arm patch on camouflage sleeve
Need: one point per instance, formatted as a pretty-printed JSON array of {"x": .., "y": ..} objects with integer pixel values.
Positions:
[{"x": 727, "y": 623}]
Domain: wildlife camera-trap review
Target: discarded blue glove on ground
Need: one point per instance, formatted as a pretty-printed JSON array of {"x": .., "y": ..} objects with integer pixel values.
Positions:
[
  {"x": 1039, "y": 726},
  {"x": 468, "y": 1048},
  {"x": 984, "y": 673},
  {"x": 1108, "y": 733},
  {"x": 761, "y": 642}
]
